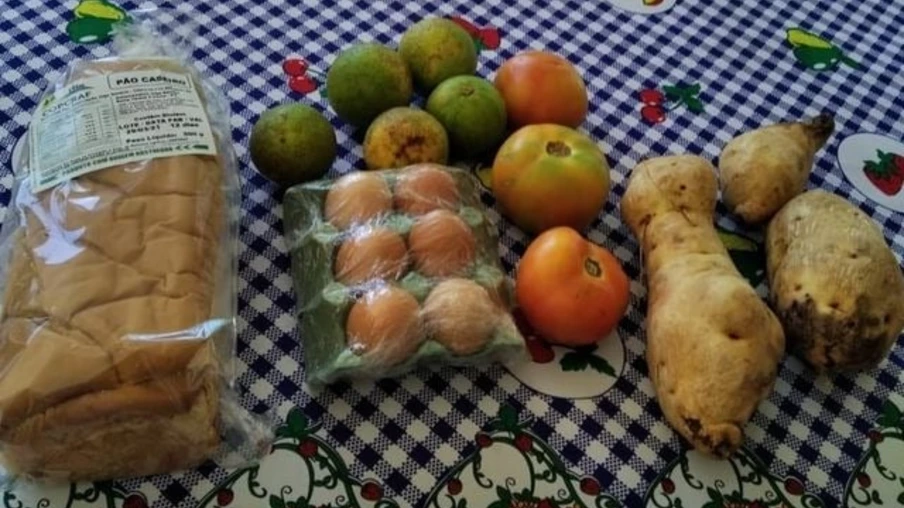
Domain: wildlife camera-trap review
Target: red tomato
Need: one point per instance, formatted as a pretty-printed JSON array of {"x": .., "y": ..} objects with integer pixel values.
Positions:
[
  {"x": 549, "y": 175},
  {"x": 573, "y": 292},
  {"x": 540, "y": 87}
]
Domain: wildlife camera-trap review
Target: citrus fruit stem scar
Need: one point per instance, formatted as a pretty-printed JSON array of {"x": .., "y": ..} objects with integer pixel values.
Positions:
[
  {"x": 558, "y": 148},
  {"x": 592, "y": 267}
]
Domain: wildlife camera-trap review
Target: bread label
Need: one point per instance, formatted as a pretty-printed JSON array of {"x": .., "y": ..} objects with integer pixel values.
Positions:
[{"x": 116, "y": 118}]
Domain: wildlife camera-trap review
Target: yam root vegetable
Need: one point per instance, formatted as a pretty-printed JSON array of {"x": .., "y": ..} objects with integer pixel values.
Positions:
[
  {"x": 713, "y": 346},
  {"x": 835, "y": 284},
  {"x": 761, "y": 170}
]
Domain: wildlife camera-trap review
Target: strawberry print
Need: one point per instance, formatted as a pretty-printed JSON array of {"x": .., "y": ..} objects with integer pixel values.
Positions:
[
  {"x": 885, "y": 173},
  {"x": 888, "y": 184},
  {"x": 874, "y": 165}
]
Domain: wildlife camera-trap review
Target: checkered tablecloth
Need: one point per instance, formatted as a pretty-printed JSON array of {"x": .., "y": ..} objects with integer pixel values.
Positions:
[{"x": 408, "y": 432}]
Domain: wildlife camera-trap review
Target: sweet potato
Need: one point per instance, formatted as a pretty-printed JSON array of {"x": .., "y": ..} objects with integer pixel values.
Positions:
[
  {"x": 835, "y": 284},
  {"x": 761, "y": 170},
  {"x": 713, "y": 346}
]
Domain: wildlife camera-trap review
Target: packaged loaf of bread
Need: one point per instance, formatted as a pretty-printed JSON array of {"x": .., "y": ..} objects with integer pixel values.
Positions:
[
  {"x": 397, "y": 269},
  {"x": 117, "y": 278}
]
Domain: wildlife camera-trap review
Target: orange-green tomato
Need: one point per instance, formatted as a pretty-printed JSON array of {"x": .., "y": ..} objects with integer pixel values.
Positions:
[
  {"x": 548, "y": 175},
  {"x": 572, "y": 291}
]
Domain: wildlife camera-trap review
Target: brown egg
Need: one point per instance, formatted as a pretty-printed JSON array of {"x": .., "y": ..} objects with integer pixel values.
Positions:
[
  {"x": 372, "y": 253},
  {"x": 425, "y": 187},
  {"x": 356, "y": 198},
  {"x": 441, "y": 244},
  {"x": 384, "y": 326},
  {"x": 460, "y": 315}
]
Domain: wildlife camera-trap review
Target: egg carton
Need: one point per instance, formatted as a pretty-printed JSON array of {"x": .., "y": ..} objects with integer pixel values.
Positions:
[{"x": 397, "y": 270}]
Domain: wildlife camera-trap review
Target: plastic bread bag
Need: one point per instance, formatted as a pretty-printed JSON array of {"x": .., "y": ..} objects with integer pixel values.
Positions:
[
  {"x": 117, "y": 275},
  {"x": 394, "y": 270}
]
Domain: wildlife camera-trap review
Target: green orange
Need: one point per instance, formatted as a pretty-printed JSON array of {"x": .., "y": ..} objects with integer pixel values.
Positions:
[
  {"x": 436, "y": 49},
  {"x": 473, "y": 113},
  {"x": 548, "y": 175},
  {"x": 366, "y": 80}
]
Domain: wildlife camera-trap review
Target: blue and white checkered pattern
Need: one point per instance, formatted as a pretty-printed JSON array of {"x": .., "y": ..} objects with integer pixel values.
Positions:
[{"x": 408, "y": 432}]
